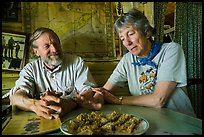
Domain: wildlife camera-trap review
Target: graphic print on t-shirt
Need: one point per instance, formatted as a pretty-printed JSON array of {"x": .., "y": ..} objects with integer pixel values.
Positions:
[{"x": 147, "y": 80}]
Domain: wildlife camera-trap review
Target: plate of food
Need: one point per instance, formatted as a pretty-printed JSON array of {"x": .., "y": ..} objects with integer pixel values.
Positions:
[{"x": 100, "y": 123}]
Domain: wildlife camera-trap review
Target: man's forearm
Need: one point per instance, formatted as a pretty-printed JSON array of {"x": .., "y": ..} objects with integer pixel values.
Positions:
[{"x": 21, "y": 100}]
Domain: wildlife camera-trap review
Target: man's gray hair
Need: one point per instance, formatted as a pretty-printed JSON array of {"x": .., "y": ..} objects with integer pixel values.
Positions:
[{"x": 38, "y": 32}]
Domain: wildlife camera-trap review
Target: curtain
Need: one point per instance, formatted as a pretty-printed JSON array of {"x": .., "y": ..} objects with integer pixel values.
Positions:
[
  {"x": 188, "y": 33},
  {"x": 159, "y": 17}
]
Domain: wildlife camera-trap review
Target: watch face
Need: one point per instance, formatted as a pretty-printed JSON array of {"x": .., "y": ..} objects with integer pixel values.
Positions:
[
  {"x": 70, "y": 92},
  {"x": 121, "y": 99}
]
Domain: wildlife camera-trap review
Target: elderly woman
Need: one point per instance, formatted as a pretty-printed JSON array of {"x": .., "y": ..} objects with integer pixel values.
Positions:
[{"x": 155, "y": 71}]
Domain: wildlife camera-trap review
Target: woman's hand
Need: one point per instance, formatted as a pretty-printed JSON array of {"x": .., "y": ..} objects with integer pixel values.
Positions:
[
  {"x": 90, "y": 100},
  {"x": 110, "y": 98}
]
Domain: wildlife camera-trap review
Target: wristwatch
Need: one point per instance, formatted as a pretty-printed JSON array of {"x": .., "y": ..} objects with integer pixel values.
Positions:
[{"x": 120, "y": 99}]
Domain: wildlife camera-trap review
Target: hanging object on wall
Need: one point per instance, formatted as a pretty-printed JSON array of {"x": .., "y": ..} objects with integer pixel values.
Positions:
[
  {"x": 143, "y": 6},
  {"x": 126, "y": 6},
  {"x": 147, "y": 8},
  {"x": 119, "y": 9},
  {"x": 10, "y": 10}
]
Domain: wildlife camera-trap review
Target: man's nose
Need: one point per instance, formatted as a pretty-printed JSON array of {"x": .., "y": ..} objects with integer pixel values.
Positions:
[{"x": 53, "y": 48}]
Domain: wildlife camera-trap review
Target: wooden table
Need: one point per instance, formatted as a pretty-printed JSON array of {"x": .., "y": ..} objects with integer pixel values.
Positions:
[{"x": 161, "y": 121}]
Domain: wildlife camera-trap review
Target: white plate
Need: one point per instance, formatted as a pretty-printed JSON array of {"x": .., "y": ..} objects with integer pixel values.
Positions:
[{"x": 141, "y": 129}]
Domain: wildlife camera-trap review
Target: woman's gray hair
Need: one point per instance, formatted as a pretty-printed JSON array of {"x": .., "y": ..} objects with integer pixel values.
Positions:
[
  {"x": 136, "y": 19},
  {"x": 38, "y": 32}
]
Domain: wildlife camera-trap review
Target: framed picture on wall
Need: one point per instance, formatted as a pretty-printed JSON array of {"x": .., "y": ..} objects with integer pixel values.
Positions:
[
  {"x": 10, "y": 11},
  {"x": 14, "y": 50}
]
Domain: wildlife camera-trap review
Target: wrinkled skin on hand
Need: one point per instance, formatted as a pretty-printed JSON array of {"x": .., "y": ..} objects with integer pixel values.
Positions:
[
  {"x": 54, "y": 103},
  {"x": 57, "y": 107},
  {"x": 90, "y": 100},
  {"x": 110, "y": 98},
  {"x": 41, "y": 109}
]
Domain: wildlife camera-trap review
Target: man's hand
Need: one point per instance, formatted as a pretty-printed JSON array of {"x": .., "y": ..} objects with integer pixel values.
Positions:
[
  {"x": 51, "y": 101},
  {"x": 41, "y": 108},
  {"x": 22, "y": 100},
  {"x": 58, "y": 105}
]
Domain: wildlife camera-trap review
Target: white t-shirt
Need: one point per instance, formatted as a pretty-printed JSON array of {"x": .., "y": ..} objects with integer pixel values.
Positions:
[
  {"x": 142, "y": 79},
  {"x": 35, "y": 78}
]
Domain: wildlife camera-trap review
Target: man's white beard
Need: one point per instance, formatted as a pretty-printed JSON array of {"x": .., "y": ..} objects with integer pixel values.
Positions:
[{"x": 54, "y": 61}]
